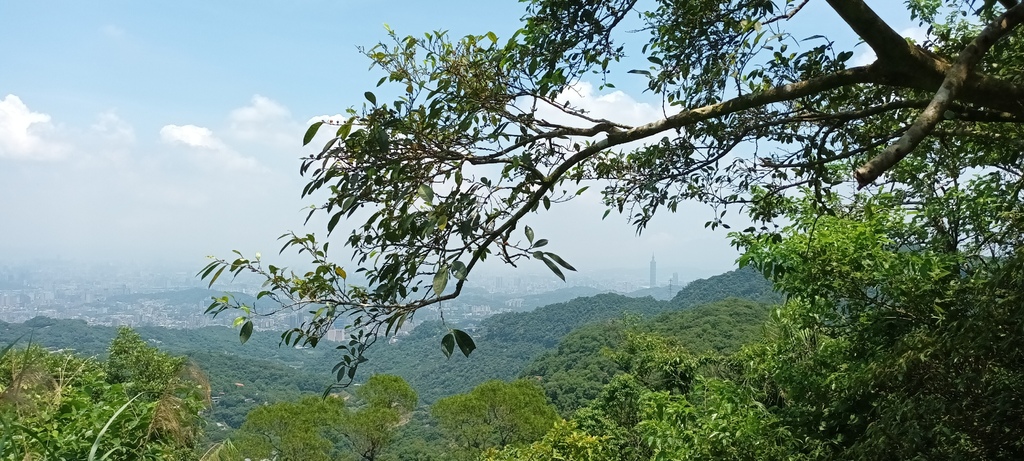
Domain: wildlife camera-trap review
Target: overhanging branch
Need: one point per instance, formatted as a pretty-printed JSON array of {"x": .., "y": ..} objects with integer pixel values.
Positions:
[
  {"x": 955, "y": 79},
  {"x": 887, "y": 44}
]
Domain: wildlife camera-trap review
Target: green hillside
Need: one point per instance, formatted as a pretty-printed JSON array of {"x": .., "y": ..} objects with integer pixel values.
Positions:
[{"x": 507, "y": 343}]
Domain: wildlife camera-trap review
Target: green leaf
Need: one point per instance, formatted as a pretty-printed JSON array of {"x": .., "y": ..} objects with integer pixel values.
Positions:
[
  {"x": 560, "y": 261},
  {"x": 448, "y": 345},
  {"x": 426, "y": 193},
  {"x": 440, "y": 280},
  {"x": 459, "y": 270},
  {"x": 333, "y": 222},
  {"x": 215, "y": 275},
  {"x": 246, "y": 331},
  {"x": 465, "y": 342},
  {"x": 529, "y": 234},
  {"x": 345, "y": 129},
  {"x": 311, "y": 132},
  {"x": 551, "y": 265},
  {"x": 96, "y": 443},
  {"x": 540, "y": 243},
  {"x": 370, "y": 97},
  {"x": 205, "y": 271}
]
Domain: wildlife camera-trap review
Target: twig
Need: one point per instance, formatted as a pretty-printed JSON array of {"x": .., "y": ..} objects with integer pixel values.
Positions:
[{"x": 789, "y": 15}]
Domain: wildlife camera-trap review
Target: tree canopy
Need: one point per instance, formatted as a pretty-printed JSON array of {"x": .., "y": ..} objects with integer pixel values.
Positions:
[
  {"x": 140, "y": 403},
  {"x": 494, "y": 414},
  {"x": 756, "y": 120}
]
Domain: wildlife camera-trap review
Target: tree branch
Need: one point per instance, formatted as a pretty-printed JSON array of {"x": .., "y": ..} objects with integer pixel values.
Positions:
[
  {"x": 887, "y": 44},
  {"x": 790, "y": 14},
  {"x": 955, "y": 80},
  {"x": 787, "y": 92}
]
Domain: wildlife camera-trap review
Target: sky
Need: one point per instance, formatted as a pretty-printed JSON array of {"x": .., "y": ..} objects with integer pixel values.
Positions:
[{"x": 163, "y": 132}]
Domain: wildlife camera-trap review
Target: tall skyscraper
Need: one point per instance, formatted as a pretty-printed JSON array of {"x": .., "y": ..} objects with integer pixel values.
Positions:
[{"x": 654, "y": 272}]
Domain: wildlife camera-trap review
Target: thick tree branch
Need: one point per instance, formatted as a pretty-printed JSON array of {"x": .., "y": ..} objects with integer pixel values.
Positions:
[
  {"x": 909, "y": 66},
  {"x": 788, "y": 92},
  {"x": 887, "y": 44},
  {"x": 955, "y": 80}
]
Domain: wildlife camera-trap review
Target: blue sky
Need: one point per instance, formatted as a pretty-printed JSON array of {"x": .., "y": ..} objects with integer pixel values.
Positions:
[{"x": 168, "y": 131}]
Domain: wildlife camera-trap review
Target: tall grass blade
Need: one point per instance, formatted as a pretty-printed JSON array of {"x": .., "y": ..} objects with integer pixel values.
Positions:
[{"x": 96, "y": 444}]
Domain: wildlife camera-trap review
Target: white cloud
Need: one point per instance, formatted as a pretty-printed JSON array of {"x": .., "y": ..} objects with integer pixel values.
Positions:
[
  {"x": 917, "y": 34},
  {"x": 213, "y": 153},
  {"x": 615, "y": 106},
  {"x": 191, "y": 136},
  {"x": 260, "y": 110},
  {"x": 112, "y": 128},
  {"x": 25, "y": 134},
  {"x": 120, "y": 193},
  {"x": 265, "y": 121}
]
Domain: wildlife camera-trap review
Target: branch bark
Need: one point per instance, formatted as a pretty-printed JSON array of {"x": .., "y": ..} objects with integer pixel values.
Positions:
[
  {"x": 955, "y": 80},
  {"x": 887, "y": 44}
]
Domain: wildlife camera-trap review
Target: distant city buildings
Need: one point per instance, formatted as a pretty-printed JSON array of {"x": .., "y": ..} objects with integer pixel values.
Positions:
[{"x": 654, "y": 272}]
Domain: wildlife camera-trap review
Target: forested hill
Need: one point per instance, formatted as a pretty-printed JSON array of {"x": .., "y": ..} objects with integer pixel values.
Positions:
[
  {"x": 744, "y": 283},
  {"x": 506, "y": 343},
  {"x": 547, "y": 325},
  {"x": 574, "y": 373}
]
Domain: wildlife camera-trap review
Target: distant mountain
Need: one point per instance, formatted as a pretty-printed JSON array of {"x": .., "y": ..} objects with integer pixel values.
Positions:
[
  {"x": 560, "y": 295},
  {"x": 660, "y": 293},
  {"x": 508, "y": 342},
  {"x": 744, "y": 283}
]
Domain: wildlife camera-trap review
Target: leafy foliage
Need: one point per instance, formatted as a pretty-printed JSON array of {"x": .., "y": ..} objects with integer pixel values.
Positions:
[
  {"x": 325, "y": 428},
  {"x": 303, "y": 430},
  {"x": 57, "y": 405},
  {"x": 891, "y": 344},
  {"x": 585, "y": 361},
  {"x": 494, "y": 414}
]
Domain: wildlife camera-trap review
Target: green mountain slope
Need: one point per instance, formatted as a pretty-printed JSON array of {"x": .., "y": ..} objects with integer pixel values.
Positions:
[
  {"x": 508, "y": 342},
  {"x": 574, "y": 373}
]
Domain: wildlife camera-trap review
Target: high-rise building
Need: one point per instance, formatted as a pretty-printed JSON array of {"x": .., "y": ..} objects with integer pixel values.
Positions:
[{"x": 654, "y": 272}]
